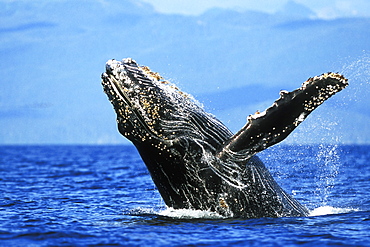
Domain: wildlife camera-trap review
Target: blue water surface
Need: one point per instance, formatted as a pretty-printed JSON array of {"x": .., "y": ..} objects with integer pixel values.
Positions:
[{"x": 104, "y": 196}]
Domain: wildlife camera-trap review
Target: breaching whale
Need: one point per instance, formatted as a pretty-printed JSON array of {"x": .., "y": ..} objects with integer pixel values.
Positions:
[{"x": 194, "y": 160}]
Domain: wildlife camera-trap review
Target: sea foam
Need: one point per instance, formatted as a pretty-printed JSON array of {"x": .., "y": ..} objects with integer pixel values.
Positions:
[{"x": 325, "y": 210}]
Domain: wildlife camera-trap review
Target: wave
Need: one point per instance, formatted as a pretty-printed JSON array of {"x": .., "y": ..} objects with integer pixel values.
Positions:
[
  {"x": 326, "y": 210},
  {"x": 202, "y": 214},
  {"x": 175, "y": 213},
  {"x": 189, "y": 214}
]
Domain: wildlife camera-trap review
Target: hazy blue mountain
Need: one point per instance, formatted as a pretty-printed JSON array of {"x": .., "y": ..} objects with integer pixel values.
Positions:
[
  {"x": 53, "y": 52},
  {"x": 294, "y": 10}
]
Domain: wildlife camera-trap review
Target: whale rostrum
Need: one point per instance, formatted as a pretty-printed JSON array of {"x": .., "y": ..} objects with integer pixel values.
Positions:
[{"x": 194, "y": 159}]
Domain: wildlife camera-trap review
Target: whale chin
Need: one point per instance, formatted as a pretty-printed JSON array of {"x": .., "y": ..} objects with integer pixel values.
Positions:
[{"x": 195, "y": 161}]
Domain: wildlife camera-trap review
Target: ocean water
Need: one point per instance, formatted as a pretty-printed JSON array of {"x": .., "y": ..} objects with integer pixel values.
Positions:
[{"x": 104, "y": 196}]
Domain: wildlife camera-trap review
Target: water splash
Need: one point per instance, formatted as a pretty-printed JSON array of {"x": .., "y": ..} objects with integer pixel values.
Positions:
[
  {"x": 175, "y": 213},
  {"x": 328, "y": 165},
  {"x": 325, "y": 210},
  {"x": 189, "y": 214},
  {"x": 142, "y": 211},
  {"x": 341, "y": 114},
  {"x": 358, "y": 73},
  {"x": 358, "y": 69}
]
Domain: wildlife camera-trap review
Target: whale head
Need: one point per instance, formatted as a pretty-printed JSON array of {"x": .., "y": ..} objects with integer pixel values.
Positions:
[{"x": 150, "y": 109}]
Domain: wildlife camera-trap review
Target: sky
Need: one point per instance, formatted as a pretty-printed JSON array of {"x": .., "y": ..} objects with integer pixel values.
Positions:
[{"x": 327, "y": 9}]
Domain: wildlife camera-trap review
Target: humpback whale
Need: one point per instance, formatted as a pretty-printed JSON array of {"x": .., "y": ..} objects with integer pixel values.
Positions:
[{"x": 195, "y": 161}]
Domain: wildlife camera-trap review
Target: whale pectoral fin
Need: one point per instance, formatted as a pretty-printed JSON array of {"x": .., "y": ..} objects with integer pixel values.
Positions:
[{"x": 278, "y": 121}]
